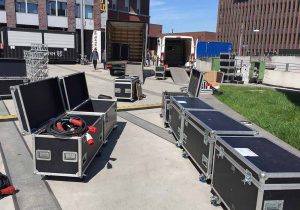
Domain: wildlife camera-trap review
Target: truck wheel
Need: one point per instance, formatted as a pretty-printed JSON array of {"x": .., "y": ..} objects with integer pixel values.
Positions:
[{"x": 112, "y": 72}]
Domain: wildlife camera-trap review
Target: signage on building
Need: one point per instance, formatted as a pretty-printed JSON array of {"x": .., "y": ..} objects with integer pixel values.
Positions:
[
  {"x": 102, "y": 5},
  {"x": 96, "y": 42}
]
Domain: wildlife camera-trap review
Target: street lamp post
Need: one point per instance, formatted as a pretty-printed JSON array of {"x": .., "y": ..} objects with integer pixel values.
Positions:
[{"x": 82, "y": 32}]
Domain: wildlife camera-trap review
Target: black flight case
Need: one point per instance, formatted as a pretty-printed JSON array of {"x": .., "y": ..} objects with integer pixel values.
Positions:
[
  {"x": 160, "y": 72},
  {"x": 40, "y": 105},
  {"x": 178, "y": 105},
  {"x": 254, "y": 173},
  {"x": 12, "y": 72},
  {"x": 193, "y": 90},
  {"x": 199, "y": 132},
  {"x": 127, "y": 87},
  {"x": 77, "y": 99}
]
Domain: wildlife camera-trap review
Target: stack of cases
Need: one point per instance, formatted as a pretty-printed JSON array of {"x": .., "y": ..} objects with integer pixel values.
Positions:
[
  {"x": 193, "y": 90},
  {"x": 76, "y": 97},
  {"x": 126, "y": 87},
  {"x": 254, "y": 173},
  {"x": 12, "y": 72},
  {"x": 40, "y": 103},
  {"x": 200, "y": 129},
  {"x": 227, "y": 66},
  {"x": 160, "y": 72}
]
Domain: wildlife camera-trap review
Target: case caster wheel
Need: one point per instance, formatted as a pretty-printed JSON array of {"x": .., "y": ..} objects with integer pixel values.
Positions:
[
  {"x": 215, "y": 200},
  {"x": 178, "y": 144},
  {"x": 202, "y": 178},
  {"x": 185, "y": 155},
  {"x": 161, "y": 115},
  {"x": 115, "y": 127}
]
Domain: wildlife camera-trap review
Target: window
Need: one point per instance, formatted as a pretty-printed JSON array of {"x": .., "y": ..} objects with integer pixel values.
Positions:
[
  {"x": 51, "y": 7},
  {"x": 88, "y": 12},
  {"x": 77, "y": 11},
  {"x": 32, "y": 6},
  {"x": 21, "y": 6},
  {"x": 2, "y": 4},
  {"x": 138, "y": 6},
  {"x": 126, "y": 5},
  {"x": 62, "y": 8},
  {"x": 114, "y": 4}
]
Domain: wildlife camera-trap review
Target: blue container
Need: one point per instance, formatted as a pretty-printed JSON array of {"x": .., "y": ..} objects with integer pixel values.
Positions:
[{"x": 212, "y": 49}]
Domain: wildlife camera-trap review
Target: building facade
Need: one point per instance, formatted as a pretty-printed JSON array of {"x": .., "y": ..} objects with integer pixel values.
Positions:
[
  {"x": 260, "y": 27},
  {"x": 203, "y": 36},
  {"x": 65, "y": 15}
]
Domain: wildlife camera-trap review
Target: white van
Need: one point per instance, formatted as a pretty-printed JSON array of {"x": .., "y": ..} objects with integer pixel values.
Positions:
[{"x": 176, "y": 51}]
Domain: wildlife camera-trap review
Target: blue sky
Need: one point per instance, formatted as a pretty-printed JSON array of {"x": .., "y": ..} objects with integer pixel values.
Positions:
[{"x": 185, "y": 15}]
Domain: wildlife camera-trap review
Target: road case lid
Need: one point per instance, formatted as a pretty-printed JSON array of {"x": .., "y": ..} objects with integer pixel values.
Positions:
[
  {"x": 38, "y": 102},
  {"x": 190, "y": 102},
  {"x": 196, "y": 80},
  {"x": 220, "y": 123},
  {"x": 263, "y": 153},
  {"x": 12, "y": 67},
  {"x": 76, "y": 90}
]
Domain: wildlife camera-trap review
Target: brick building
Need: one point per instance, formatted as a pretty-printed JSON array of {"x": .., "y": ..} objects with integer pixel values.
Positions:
[
  {"x": 155, "y": 31},
  {"x": 64, "y": 15},
  {"x": 204, "y": 36},
  {"x": 257, "y": 27}
]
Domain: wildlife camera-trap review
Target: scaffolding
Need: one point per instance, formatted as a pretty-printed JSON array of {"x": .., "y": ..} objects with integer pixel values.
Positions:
[{"x": 37, "y": 59}]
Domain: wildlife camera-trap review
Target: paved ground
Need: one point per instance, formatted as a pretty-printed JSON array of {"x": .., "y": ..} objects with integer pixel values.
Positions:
[{"x": 138, "y": 169}]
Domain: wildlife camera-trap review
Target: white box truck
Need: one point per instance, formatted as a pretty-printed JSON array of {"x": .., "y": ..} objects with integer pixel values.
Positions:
[{"x": 176, "y": 51}]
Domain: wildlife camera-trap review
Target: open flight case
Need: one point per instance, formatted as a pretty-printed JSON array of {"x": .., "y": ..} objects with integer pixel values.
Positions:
[
  {"x": 40, "y": 105},
  {"x": 254, "y": 173},
  {"x": 12, "y": 72},
  {"x": 77, "y": 99},
  {"x": 193, "y": 90}
]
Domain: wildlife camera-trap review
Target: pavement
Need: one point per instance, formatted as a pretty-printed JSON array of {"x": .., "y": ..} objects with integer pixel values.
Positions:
[{"x": 139, "y": 168}]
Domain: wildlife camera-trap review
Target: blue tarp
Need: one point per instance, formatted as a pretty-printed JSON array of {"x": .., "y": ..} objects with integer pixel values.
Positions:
[{"x": 212, "y": 49}]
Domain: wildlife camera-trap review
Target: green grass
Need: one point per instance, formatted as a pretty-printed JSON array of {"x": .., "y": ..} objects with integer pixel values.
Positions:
[{"x": 275, "y": 111}]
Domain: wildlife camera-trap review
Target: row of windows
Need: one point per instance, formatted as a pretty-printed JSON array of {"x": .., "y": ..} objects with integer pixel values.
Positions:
[
  {"x": 57, "y": 8},
  {"x": 54, "y": 7}
]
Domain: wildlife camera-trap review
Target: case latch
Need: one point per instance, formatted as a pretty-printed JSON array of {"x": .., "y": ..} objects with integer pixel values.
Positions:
[
  {"x": 186, "y": 123},
  {"x": 168, "y": 106},
  {"x": 184, "y": 138},
  {"x": 206, "y": 140},
  {"x": 178, "y": 130},
  {"x": 204, "y": 161},
  {"x": 117, "y": 90},
  {"x": 221, "y": 153},
  {"x": 248, "y": 178}
]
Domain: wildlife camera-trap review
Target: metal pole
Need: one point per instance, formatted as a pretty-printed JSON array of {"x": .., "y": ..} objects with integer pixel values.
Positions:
[
  {"x": 241, "y": 39},
  {"x": 82, "y": 32},
  {"x": 105, "y": 32}
]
